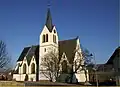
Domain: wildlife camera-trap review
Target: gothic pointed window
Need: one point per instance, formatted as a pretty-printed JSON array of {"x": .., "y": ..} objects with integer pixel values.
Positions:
[
  {"x": 24, "y": 69},
  {"x": 64, "y": 66},
  {"x": 32, "y": 68},
  {"x": 43, "y": 38},
  {"x": 54, "y": 38},
  {"x": 46, "y": 38},
  {"x": 54, "y": 31}
]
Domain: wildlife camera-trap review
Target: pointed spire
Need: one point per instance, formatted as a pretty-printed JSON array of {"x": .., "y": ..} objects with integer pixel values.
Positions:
[{"x": 49, "y": 20}]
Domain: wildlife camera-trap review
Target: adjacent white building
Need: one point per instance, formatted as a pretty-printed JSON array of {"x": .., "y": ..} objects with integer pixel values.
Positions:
[{"x": 28, "y": 65}]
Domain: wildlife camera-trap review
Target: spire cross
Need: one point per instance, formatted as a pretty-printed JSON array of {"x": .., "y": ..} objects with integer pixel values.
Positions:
[{"x": 48, "y": 4}]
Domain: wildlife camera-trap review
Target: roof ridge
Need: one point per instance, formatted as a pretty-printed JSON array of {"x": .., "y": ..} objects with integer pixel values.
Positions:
[
  {"x": 117, "y": 48},
  {"x": 70, "y": 39},
  {"x": 31, "y": 46},
  {"x": 27, "y": 47}
]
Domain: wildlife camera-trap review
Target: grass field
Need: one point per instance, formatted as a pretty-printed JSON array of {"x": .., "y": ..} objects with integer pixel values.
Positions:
[
  {"x": 59, "y": 86},
  {"x": 21, "y": 84}
]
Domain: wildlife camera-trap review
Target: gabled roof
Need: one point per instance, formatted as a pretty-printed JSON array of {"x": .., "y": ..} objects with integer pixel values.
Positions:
[
  {"x": 48, "y": 23},
  {"x": 32, "y": 52},
  {"x": 68, "y": 47},
  {"x": 104, "y": 67},
  {"x": 29, "y": 52},
  {"x": 116, "y": 53},
  {"x": 23, "y": 54}
]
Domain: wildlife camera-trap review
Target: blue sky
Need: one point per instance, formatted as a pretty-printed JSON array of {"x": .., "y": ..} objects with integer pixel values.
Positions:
[{"x": 96, "y": 22}]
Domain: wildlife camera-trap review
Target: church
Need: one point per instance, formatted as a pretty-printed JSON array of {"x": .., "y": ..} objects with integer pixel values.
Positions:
[{"x": 29, "y": 62}]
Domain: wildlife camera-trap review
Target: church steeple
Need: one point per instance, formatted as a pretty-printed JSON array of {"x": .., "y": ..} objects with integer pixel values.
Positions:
[{"x": 49, "y": 24}]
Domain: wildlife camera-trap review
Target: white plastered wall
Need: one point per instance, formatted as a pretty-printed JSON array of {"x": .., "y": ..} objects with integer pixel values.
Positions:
[
  {"x": 80, "y": 75},
  {"x": 62, "y": 59},
  {"x": 20, "y": 76},
  {"x": 30, "y": 75},
  {"x": 50, "y": 45}
]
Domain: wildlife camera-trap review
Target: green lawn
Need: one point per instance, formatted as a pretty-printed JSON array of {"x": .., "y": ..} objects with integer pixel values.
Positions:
[
  {"x": 21, "y": 84},
  {"x": 59, "y": 86}
]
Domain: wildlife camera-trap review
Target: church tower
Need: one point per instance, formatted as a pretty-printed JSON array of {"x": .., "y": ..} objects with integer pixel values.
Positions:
[{"x": 48, "y": 40}]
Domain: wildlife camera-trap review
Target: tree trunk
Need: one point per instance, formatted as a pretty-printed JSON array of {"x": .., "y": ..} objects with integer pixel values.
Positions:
[{"x": 86, "y": 75}]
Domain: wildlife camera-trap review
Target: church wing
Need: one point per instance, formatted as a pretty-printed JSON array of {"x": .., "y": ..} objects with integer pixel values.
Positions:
[
  {"x": 68, "y": 47},
  {"x": 29, "y": 52},
  {"x": 34, "y": 51}
]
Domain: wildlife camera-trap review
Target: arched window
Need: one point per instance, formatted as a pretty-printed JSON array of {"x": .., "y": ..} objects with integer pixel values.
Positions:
[
  {"x": 54, "y": 38},
  {"x": 24, "y": 69},
  {"x": 46, "y": 38},
  {"x": 33, "y": 68},
  {"x": 54, "y": 31},
  {"x": 43, "y": 38},
  {"x": 44, "y": 49},
  {"x": 64, "y": 66}
]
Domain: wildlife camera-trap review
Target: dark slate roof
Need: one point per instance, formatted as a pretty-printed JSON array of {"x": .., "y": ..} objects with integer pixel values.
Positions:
[
  {"x": 23, "y": 54},
  {"x": 29, "y": 52},
  {"x": 48, "y": 23},
  {"x": 104, "y": 67},
  {"x": 16, "y": 71},
  {"x": 68, "y": 47},
  {"x": 116, "y": 53},
  {"x": 32, "y": 52}
]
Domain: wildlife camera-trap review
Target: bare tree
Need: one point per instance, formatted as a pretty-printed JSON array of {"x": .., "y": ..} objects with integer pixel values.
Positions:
[
  {"x": 50, "y": 66},
  {"x": 4, "y": 58},
  {"x": 80, "y": 63}
]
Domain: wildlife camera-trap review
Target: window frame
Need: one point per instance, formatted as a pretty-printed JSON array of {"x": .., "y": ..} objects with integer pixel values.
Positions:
[
  {"x": 33, "y": 68},
  {"x": 46, "y": 38},
  {"x": 43, "y": 38},
  {"x": 24, "y": 68}
]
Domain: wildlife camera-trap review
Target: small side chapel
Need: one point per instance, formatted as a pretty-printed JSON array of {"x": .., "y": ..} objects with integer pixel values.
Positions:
[{"x": 29, "y": 62}]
